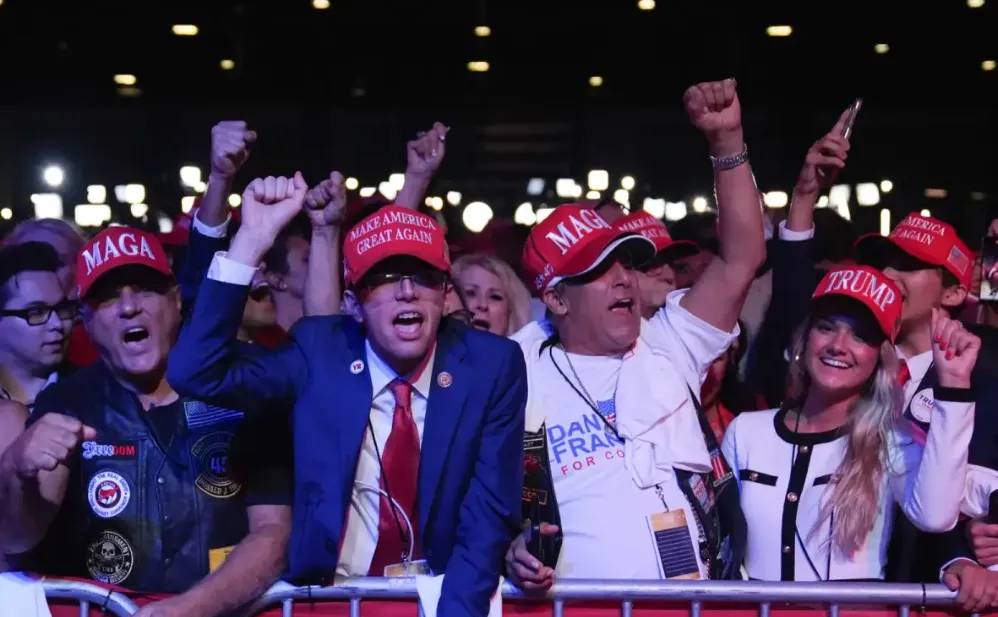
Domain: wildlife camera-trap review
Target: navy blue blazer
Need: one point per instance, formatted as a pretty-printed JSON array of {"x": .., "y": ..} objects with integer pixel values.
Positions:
[{"x": 471, "y": 467}]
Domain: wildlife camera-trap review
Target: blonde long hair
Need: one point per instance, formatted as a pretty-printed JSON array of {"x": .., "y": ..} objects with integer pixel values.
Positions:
[
  {"x": 515, "y": 291},
  {"x": 855, "y": 498}
]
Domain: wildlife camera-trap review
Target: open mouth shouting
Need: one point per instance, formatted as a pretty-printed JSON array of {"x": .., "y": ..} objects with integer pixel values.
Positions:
[
  {"x": 408, "y": 325},
  {"x": 136, "y": 339},
  {"x": 481, "y": 323},
  {"x": 624, "y": 306}
]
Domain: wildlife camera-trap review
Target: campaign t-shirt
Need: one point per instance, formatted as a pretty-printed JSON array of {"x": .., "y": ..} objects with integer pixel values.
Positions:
[{"x": 603, "y": 512}]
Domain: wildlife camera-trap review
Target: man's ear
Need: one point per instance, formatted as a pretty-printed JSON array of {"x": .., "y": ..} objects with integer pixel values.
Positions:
[
  {"x": 554, "y": 301},
  {"x": 350, "y": 305},
  {"x": 954, "y": 296}
]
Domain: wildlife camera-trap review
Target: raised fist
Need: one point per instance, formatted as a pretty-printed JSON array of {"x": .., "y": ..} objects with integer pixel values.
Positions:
[
  {"x": 713, "y": 107},
  {"x": 326, "y": 202},
  {"x": 954, "y": 350},
  {"x": 48, "y": 443},
  {"x": 230, "y": 147},
  {"x": 426, "y": 152},
  {"x": 270, "y": 203},
  {"x": 824, "y": 160}
]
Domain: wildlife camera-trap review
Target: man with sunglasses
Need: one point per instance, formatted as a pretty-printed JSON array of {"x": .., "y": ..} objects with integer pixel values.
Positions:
[
  {"x": 617, "y": 455},
  {"x": 408, "y": 427},
  {"x": 933, "y": 268},
  {"x": 36, "y": 318},
  {"x": 118, "y": 479}
]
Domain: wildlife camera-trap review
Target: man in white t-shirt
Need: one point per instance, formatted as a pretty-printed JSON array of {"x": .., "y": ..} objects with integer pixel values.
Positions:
[{"x": 620, "y": 479}]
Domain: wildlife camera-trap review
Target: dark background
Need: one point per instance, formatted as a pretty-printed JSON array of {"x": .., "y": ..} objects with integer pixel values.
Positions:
[{"x": 346, "y": 87}]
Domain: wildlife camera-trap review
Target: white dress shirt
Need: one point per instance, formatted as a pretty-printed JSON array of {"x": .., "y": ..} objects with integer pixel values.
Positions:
[{"x": 361, "y": 532}]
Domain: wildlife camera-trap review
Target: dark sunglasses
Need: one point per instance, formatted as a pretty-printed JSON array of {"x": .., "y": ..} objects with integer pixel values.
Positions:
[
  {"x": 428, "y": 279},
  {"x": 40, "y": 314}
]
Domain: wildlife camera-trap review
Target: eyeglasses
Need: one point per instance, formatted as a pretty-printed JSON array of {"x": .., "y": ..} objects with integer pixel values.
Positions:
[
  {"x": 39, "y": 315},
  {"x": 429, "y": 279}
]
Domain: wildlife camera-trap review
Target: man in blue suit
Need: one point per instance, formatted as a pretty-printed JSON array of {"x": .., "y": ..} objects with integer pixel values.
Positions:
[{"x": 408, "y": 428}]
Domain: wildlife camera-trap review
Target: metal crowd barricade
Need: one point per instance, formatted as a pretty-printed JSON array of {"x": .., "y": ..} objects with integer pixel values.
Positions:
[
  {"x": 89, "y": 595},
  {"x": 760, "y": 593}
]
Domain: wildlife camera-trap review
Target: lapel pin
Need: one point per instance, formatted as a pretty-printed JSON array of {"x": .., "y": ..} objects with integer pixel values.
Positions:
[
  {"x": 444, "y": 379},
  {"x": 357, "y": 366}
]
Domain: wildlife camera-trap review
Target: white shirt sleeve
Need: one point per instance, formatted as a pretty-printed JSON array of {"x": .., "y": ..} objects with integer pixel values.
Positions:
[
  {"x": 212, "y": 232},
  {"x": 929, "y": 483},
  {"x": 700, "y": 342},
  {"x": 791, "y": 235},
  {"x": 225, "y": 270}
]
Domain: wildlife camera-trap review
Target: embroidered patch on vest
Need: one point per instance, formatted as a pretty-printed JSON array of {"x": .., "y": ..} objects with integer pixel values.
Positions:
[
  {"x": 200, "y": 415},
  {"x": 212, "y": 452},
  {"x": 110, "y": 558},
  {"x": 92, "y": 449},
  {"x": 108, "y": 494}
]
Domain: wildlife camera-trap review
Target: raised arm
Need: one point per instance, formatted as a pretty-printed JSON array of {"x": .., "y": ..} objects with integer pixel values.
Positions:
[
  {"x": 490, "y": 512},
  {"x": 717, "y": 297},
  {"x": 207, "y": 362},
  {"x": 325, "y": 204},
  {"x": 424, "y": 156},
  {"x": 931, "y": 482}
]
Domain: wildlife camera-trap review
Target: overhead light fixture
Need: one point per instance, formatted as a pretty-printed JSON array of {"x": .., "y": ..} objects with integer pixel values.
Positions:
[
  {"x": 124, "y": 79},
  {"x": 227, "y": 65},
  {"x": 646, "y": 5},
  {"x": 483, "y": 31},
  {"x": 478, "y": 66},
  {"x": 779, "y": 30},
  {"x": 988, "y": 65},
  {"x": 974, "y": 4},
  {"x": 595, "y": 81},
  {"x": 320, "y": 4},
  {"x": 185, "y": 30},
  {"x": 881, "y": 48}
]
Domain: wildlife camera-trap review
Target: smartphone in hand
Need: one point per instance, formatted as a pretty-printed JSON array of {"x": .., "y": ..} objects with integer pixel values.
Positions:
[
  {"x": 989, "y": 269},
  {"x": 851, "y": 121}
]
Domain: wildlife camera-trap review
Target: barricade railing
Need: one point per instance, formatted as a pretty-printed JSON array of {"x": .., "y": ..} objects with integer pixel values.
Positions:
[
  {"x": 89, "y": 595},
  {"x": 690, "y": 596},
  {"x": 761, "y": 594}
]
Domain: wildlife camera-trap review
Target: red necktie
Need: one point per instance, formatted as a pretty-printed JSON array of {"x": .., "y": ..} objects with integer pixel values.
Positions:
[
  {"x": 904, "y": 375},
  {"x": 399, "y": 476}
]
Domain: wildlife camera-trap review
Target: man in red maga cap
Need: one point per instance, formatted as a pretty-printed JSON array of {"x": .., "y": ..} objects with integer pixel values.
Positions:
[
  {"x": 408, "y": 427},
  {"x": 119, "y": 479}
]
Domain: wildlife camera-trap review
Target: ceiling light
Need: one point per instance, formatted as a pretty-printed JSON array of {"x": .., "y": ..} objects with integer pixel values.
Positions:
[
  {"x": 479, "y": 66},
  {"x": 483, "y": 31},
  {"x": 988, "y": 65},
  {"x": 881, "y": 48},
  {"x": 124, "y": 79},
  {"x": 779, "y": 30},
  {"x": 974, "y": 4},
  {"x": 227, "y": 65},
  {"x": 595, "y": 81},
  {"x": 320, "y": 4},
  {"x": 185, "y": 30},
  {"x": 646, "y": 5}
]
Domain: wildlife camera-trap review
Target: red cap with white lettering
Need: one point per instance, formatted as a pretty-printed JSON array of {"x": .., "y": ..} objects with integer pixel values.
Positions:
[
  {"x": 871, "y": 287},
  {"x": 392, "y": 231},
  {"x": 926, "y": 239},
  {"x": 116, "y": 247},
  {"x": 573, "y": 240},
  {"x": 655, "y": 230}
]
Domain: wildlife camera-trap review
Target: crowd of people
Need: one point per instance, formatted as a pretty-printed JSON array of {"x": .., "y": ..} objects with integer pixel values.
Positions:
[{"x": 311, "y": 387}]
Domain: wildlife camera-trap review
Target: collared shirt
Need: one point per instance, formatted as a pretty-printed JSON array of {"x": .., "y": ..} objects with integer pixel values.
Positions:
[{"x": 361, "y": 532}]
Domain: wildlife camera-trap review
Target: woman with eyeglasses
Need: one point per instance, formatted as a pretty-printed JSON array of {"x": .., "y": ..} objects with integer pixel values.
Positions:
[
  {"x": 819, "y": 476},
  {"x": 36, "y": 318}
]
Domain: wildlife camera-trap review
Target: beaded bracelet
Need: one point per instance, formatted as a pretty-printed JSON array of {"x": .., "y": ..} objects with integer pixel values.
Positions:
[{"x": 724, "y": 163}]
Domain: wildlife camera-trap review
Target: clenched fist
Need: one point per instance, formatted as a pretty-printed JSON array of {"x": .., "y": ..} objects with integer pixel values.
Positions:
[
  {"x": 48, "y": 443},
  {"x": 425, "y": 153},
  {"x": 954, "y": 351},
  {"x": 326, "y": 202},
  {"x": 713, "y": 107},
  {"x": 824, "y": 160},
  {"x": 230, "y": 147},
  {"x": 270, "y": 203}
]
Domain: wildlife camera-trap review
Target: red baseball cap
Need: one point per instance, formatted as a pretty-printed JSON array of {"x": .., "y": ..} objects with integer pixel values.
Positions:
[
  {"x": 924, "y": 238},
  {"x": 115, "y": 247},
  {"x": 666, "y": 249},
  {"x": 391, "y": 231},
  {"x": 574, "y": 240},
  {"x": 871, "y": 287}
]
